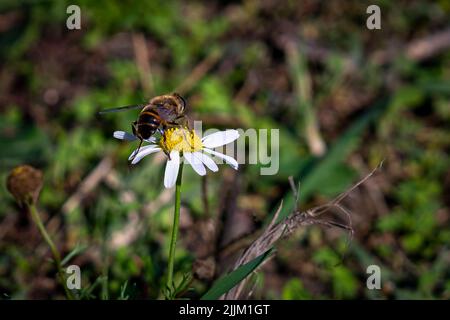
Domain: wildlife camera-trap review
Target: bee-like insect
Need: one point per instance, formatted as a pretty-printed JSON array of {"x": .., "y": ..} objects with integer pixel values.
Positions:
[{"x": 159, "y": 114}]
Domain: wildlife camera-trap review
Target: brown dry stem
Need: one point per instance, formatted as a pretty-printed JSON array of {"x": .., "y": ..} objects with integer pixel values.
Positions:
[{"x": 275, "y": 231}]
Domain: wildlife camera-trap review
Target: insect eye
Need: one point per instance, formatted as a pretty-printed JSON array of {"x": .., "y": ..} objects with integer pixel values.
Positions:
[{"x": 182, "y": 102}]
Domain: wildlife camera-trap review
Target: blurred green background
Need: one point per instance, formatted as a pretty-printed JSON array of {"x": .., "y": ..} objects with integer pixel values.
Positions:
[{"x": 344, "y": 97}]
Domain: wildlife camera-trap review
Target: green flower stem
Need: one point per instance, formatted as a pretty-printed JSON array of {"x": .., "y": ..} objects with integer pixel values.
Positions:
[
  {"x": 176, "y": 222},
  {"x": 56, "y": 256}
]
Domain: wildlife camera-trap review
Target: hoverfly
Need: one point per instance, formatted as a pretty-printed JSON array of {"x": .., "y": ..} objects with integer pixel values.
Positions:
[{"x": 158, "y": 114}]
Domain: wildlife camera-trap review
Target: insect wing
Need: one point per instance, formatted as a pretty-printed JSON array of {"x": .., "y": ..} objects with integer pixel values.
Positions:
[
  {"x": 125, "y": 108},
  {"x": 168, "y": 114}
]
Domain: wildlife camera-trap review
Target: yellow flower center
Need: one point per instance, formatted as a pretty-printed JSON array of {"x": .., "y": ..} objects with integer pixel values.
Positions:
[{"x": 181, "y": 140}]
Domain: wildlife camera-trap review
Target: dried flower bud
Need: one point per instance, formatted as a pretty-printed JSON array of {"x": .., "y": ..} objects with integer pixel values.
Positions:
[{"x": 25, "y": 183}]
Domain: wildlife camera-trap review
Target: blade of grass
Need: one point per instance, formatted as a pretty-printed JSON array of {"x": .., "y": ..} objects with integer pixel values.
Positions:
[
  {"x": 77, "y": 250},
  {"x": 227, "y": 282}
]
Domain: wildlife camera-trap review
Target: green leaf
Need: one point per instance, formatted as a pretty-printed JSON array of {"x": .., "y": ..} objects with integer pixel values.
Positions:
[
  {"x": 123, "y": 291},
  {"x": 227, "y": 282},
  {"x": 76, "y": 251},
  {"x": 345, "y": 284},
  {"x": 294, "y": 290},
  {"x": 86, "y": 293}
]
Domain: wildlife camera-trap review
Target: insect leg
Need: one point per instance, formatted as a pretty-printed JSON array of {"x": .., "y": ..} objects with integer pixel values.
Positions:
[
  {"x": 182, "y": 120},
  {"x": 176, "y": 124},
  {"x": 134, "y": 127},
  {"x": 186, "y": 121},
  {"x": 163, "y": 136},
  {"x": 137, "y": 151}
]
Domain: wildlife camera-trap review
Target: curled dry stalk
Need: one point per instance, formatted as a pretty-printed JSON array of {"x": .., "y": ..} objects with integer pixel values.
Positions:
[{"x": 288, "y": 225}]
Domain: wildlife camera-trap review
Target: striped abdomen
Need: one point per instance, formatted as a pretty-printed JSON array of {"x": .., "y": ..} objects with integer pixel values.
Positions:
[{"x": 148, "y": 122}]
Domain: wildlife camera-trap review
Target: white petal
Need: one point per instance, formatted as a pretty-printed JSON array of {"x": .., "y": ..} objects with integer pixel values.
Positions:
[
  {"x": 195, "y": 162},
  {"x": 144, "y": 151},
  {"x": 150, "y": 140},
  {"x": 122, "y": 135},
  {"x": 172, "y": 167},
  {"x": 207, "y": 161},
  {"x": 137, "y": 150},
  {"x": 144, "y": 148},
  {"x": 232, "y": 162},
  {"x": 220, "y": 138}
]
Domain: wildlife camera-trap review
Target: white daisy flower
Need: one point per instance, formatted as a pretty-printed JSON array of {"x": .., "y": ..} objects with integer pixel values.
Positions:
[{"x": 181, "y": 143}]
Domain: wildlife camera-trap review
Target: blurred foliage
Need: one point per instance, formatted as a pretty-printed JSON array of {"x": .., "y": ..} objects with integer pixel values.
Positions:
[{"x": 53, "y": 81}]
